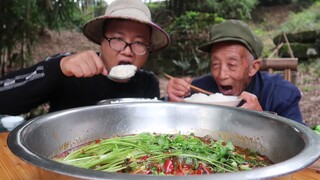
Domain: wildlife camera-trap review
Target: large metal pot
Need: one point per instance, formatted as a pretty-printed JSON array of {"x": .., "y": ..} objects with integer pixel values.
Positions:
[{"x": 292, "y": 146}]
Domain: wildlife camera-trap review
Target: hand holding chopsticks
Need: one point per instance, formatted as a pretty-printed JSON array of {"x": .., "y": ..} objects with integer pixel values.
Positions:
[{"x": 194, "y": 88}]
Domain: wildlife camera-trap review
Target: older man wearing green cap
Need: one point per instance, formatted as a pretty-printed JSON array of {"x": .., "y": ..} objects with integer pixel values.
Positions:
[
  {"x": 235, "y": 62},
  {"x": 126, "y": 35}
]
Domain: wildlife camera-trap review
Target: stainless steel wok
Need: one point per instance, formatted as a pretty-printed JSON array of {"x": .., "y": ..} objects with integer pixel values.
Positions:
[{"x": 292, "y": 146}]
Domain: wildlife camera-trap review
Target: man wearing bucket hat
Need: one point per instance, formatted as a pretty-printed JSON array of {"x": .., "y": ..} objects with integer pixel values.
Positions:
[
  {"x": 126, "y": 35},
  {"x": 235, "y": 62}
]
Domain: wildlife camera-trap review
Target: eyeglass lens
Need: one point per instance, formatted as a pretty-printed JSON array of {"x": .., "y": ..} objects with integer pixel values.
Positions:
[{"x": 119, "y": 44}]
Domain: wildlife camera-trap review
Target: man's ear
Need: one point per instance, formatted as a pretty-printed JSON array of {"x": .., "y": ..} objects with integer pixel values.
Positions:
[{"x": 255, "y": 66}]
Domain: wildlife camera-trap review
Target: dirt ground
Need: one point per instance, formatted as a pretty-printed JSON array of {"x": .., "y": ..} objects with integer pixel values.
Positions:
[{"x": 75, "y": 41}]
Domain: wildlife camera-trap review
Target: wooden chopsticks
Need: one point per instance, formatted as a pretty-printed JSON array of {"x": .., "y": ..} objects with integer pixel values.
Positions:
[{"x": 194, "y": 88}]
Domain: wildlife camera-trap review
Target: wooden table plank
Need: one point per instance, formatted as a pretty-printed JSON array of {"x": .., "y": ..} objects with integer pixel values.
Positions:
[{"x": 11, "y": 167}]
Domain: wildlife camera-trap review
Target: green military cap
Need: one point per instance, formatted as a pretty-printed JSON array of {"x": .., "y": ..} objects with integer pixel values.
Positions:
[{"x": 234, "y": 30}]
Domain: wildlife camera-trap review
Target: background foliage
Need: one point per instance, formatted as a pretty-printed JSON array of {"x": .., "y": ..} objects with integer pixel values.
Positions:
[
  {"x": 24, "y": 21},
  {"x": 188, "y": 22}
]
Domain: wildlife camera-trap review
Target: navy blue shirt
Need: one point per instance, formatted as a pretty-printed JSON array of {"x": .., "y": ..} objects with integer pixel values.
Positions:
[{"x": 274, "y": 93}]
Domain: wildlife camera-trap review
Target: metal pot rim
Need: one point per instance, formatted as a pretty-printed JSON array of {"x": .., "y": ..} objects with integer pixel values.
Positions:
[{"x": 309, "y": 154}]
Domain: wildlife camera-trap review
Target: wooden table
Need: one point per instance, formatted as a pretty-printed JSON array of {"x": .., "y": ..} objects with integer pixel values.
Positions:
[{"x": 11, "y": 167}]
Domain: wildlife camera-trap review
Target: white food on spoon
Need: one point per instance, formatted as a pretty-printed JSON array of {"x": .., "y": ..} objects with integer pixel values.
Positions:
[{"x": 125, "y": 71}]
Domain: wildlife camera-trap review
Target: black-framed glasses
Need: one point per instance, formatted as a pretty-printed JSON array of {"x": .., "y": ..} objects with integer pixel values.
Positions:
[{"x": 119, "y": 44}]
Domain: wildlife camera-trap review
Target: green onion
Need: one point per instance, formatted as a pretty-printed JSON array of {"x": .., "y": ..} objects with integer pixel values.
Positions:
[{"x": 127, "y": 152}]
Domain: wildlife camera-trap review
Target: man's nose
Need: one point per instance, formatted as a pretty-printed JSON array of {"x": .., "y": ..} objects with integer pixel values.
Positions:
[{"x": 223, "y": 72}]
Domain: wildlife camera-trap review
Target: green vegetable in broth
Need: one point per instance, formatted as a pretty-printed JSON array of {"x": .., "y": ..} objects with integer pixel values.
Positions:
[
  {"x": 316, "y": 129},
  {"x": 163, "y": 154}
]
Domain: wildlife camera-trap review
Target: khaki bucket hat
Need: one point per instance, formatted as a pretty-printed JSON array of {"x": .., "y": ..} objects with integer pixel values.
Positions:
[
  {"x": 234, "y": 30},
  {"x": 134, "y": 10}
]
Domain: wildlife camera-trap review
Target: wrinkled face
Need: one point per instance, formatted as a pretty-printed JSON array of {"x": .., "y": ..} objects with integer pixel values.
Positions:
[
  {"x": 232, "y": 67},
  {"x": 130, "y": 32}
]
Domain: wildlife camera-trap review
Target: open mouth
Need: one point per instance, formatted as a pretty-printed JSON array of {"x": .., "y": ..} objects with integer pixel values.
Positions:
[
  {"x": 226, "y": 90},
  {"x": 124, "y": 63}
]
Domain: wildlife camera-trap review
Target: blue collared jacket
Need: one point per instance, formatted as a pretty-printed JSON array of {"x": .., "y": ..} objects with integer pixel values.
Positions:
[{"x": 274, "y": 93}]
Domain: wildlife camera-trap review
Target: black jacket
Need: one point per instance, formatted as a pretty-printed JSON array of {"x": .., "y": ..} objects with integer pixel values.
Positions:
[{"x": 44, "y": 82}]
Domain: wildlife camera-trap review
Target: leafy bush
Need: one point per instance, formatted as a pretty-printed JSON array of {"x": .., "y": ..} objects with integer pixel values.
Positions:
[
  {"x": 230, "y": 9},
  {"x": 189, "y": 23},
  {"x": 21, "y": 24},
  {"x": 285, "y": 2},
  {"x": 274, "y": 2},
  {"x": 187, "y": 32},
  {"x": 240, "y": 9},
  {"x": 303, "y": 21}
]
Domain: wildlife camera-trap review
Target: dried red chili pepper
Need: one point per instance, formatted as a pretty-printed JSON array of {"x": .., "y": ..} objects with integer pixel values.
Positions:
[
  {"x": 204, "y": 168},
  {"x": 144, "y": 157},
  {"x": 168, "y": 166}
]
